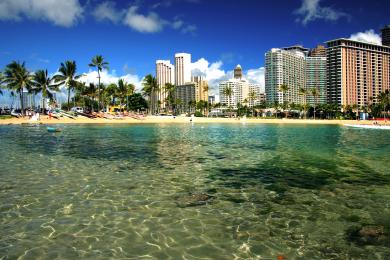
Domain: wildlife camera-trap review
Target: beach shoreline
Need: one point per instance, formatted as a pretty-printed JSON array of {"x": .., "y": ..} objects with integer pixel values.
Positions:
[{"x": 169, "y": 120}]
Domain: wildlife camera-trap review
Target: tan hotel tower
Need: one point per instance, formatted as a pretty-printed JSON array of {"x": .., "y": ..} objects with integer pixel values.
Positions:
[{"x": 357, "y": 72}]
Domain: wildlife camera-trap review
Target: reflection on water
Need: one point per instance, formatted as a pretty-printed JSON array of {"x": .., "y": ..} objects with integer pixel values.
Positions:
[{"x": 195, "y": 191}]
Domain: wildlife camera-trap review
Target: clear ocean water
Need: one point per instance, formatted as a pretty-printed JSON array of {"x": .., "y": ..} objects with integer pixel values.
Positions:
[{"x": 212, "y": 191}]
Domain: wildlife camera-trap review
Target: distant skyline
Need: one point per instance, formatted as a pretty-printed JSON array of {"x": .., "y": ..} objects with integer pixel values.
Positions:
[{"x": 132, "y": 35}]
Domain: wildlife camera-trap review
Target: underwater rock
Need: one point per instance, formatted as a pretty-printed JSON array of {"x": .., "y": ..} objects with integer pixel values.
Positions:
[
  {"x": 371, "y": 231},
  {"x": 366, "y": 235},
  {"x": 193, "y": 199}
]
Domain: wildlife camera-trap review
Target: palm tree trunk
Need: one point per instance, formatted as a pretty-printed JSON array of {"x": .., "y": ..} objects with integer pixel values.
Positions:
[
  {"x": 68, "y": 98},
  {"x": 98, "y": 91},
  {"x": 21, "y": 102}
]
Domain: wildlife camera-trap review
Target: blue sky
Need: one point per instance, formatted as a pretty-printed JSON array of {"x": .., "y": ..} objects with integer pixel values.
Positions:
[{"x": 131, "y": 35}]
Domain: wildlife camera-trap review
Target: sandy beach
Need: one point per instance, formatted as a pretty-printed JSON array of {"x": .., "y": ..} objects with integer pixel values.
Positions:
[{"x": 167, "y": 119}]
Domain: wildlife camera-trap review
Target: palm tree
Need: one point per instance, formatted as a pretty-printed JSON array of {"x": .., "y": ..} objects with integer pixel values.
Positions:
[
  {"x": 1, "y": 82},
  {"x": 44, "y": 84},
  {"x": 98, "y": 63},
  {"x": 91, "y": 91},
  {"x": 149, "y": 89},
  {"x": 111, "y": 92},
  {"x": 125, "y": 90},
  {"x": 303, "y": 92},
  {"x": 170, "y": 90},
  {"x": 252, "y": 97},
  {"x": 228, "y": 92},
  {"x": 67, "y": 76},
  {"x": 284, "y": 88},
  {"x": 384, "y": 100},
  {"x": 18, "y": 78},
  {"x": 314, "y": 92},
  {"x": 275, "y": 106}
]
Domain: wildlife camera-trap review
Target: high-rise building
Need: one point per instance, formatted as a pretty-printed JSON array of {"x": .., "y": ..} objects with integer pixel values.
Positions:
[
  {"x": 319, "y": 51},
  {"x": 182, "y": 68},
  {"x": 357, "y": 72},
  {"x": 285, "y": 67},
  {"x": 316, "y": 78},
  {"x": 386, "y": 35},
  {"x": 238, "y": 72},
  {"x": 212, "y": 100},
  {"x": 202, "y": 88},
  {"x": 240, "y": 90},
  {"x": 296, "y": 67},
  {"x": 193, "y": 92},
  {"x": 164, "y": 75}
]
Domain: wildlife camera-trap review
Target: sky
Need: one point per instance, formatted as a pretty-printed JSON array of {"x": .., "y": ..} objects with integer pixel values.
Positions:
[{"x": 219, "y": 34}]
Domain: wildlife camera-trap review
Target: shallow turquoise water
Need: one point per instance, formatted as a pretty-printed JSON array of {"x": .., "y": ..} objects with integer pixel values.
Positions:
[{"x": 194, "y": 192}]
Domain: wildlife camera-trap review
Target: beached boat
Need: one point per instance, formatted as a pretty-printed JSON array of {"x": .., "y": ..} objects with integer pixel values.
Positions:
[{"x": 383, "y": 127}]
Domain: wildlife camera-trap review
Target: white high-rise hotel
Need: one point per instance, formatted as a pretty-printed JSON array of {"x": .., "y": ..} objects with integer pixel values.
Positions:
[
  {"x": 241, "y": 89},
  {"x": 164, "y": 74},
  {"x": 180, "y": 74},
  {"x": 182, "y": 68}
]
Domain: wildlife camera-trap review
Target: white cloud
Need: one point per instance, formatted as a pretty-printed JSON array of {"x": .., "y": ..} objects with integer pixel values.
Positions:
[
  {"x": 177, "y": 24},
  {"x": 256, "y": 76},
  {"x": 107, "y": 11},
  {"x": 108, "y": 78},
  {"x": 214, "y": 74},
  {"x": 311, "y": 10},
  {"x": 368, "y": 36},
  {"x": 131, "y": 17},
  {"x": 143, "y": 23},
  {"x": 189, "y": 29},
  {"x": 62, "y": 13}
]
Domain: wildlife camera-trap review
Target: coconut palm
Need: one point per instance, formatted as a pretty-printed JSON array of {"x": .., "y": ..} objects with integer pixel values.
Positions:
[
  {"x": 252, "y": 97},
  {"x": 314, "y": 92},
  {"x": 205, "y": 90},
  {"x": 1, "y": 82},
  {"x": 67, "y": 76},
  {"x": 303, "y": 92},
  {"x": 42, "y": 83},
  {"x": 384, "y": 100},
  {"x": 150, "y": 87},
  {"x": 18, "y": 79},
  {"x": 284, "y": 88},
  {"x": 99, "y": 63},
  {"x": 124, "y": 91},
  {"x": 111, "y": 93},
  {"x": 228, "y": 92},
  {"x": 170, "y": 90}
]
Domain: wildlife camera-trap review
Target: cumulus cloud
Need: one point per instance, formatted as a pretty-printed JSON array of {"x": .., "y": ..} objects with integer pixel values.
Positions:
[
  {"x": 214, "y": 74},
  {"x": 368, "y": 36},
  {"x": 133, "y": 18},
  {"x": 61, "y": 13},
  {"x": 311, "y": 10},
  {"x": 108, "y": 11},
  {"x": 143, "y": 23},
  {"x": 107, "y": 78}
]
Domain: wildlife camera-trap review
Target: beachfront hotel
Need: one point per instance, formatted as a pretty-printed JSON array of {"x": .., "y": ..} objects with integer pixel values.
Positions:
[
  {"x": 193, "y": 91},
  {"x": 357, "y": 71},
  {"x": 182, "y": 68},
  {"x": 297, "y": 67},
  {"x": 164, "y": 74},
  {"x": 285, "y": 66},
  {"x": 316, "y": 75},
  {"x": 240, "y": 90}
]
